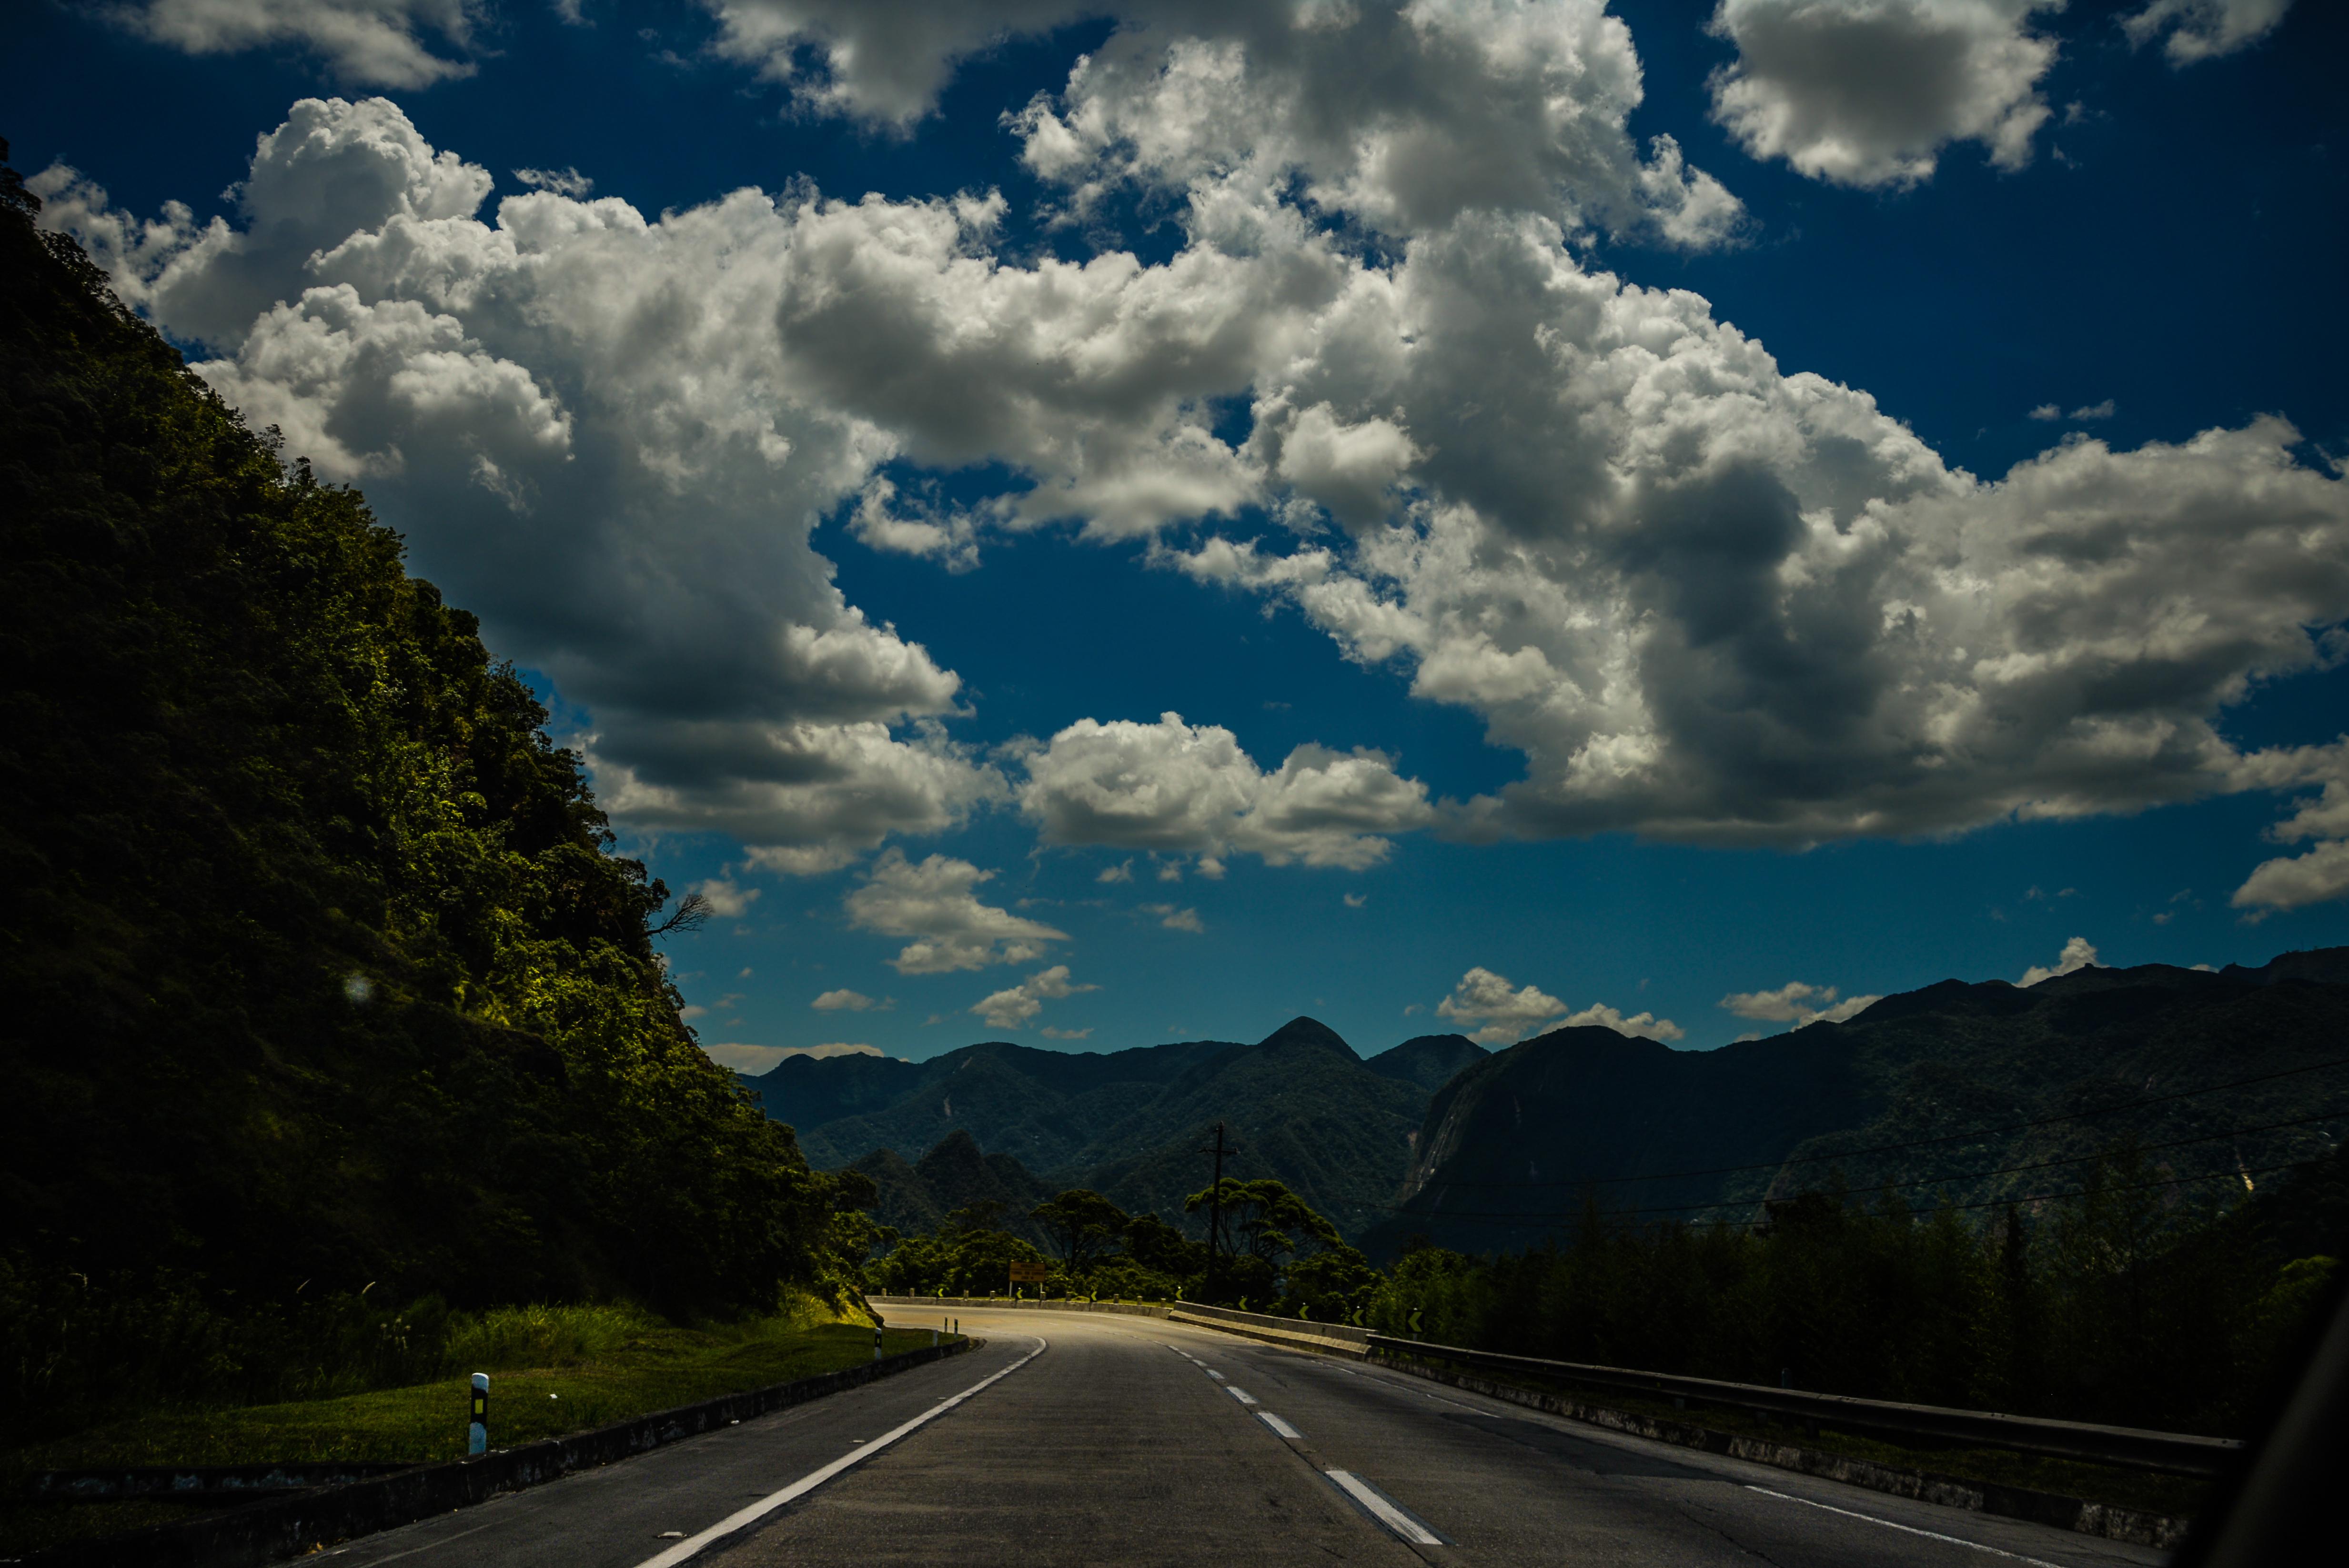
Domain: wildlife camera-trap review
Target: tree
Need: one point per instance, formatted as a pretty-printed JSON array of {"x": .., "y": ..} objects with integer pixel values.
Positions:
[
  {"x": 1154, "y": 1244},
  {"x": 1081, "y": 1223}
]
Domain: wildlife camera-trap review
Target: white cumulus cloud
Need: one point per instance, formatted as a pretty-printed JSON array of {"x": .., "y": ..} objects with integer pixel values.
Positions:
[
  {"x": 933, "y": 901},
  {"x": 1868, "y": 92},
  {"x": 727, "y": 900},
  {"x": 1014, "y": 1007},
  {"x": 368, "y": 42},
  {"x": 1706, "y": 597},
  {"x": 846, "y": 1001},
  {"x": 2322, "y": 873},
  {"x": 2078, "y": 954},
  {"x": 589, "y": 427},
  {"x": 2194, "y": 30},
  {"x": 1797, "y": 1002},
  {"x": 1496, "y": 1012},
  {"x": 1182, "y": 789}
]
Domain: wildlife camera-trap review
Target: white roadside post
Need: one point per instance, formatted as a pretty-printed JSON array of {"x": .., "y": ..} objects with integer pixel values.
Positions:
[{"x": 477, "y": 1434}]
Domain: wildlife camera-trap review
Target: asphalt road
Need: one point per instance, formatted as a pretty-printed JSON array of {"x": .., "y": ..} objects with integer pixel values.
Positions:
[{"x": 1113, "y": 1440}]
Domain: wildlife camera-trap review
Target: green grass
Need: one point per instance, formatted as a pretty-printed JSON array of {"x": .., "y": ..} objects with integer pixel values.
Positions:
[{"x": 596, "y": 1366}]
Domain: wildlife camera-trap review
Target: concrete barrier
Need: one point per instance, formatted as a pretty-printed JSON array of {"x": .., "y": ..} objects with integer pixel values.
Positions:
[
  {"x": 265, "y": 1533},
  {"x": 2112, "y": 1522}
]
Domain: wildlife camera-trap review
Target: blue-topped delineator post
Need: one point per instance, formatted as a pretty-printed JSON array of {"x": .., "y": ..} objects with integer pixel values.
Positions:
[{"x": 477, "y": 1433}]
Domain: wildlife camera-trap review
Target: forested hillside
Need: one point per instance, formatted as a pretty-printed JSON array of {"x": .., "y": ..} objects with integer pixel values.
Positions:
[
  {"x": 323, "y": 983},
  {"x": 1300, "y": 1105},
  {"x": 1980, "y": 1093}
]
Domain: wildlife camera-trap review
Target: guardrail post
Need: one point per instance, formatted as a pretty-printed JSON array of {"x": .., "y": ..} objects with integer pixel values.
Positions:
[{"x": 477, "y": 1431}]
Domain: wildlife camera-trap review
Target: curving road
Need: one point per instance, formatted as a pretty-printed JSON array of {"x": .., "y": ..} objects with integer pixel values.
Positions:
[{"x": 1120, "y": 1439}]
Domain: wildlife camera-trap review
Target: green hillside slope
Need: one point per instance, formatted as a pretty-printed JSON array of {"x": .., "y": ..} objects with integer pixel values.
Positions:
[{"x": 321, "y": 972}]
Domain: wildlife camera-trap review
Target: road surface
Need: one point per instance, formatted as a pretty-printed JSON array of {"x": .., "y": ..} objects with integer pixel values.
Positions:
[{"x": 1104, "y": 1438}]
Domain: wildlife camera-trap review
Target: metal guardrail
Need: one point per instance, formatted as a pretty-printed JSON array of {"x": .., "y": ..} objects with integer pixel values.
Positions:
[{"x": 2127, "y": 1448}]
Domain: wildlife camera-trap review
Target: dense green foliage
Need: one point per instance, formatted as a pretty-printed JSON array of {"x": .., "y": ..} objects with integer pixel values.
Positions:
[
  {"x": 1274, "y": 1253},
  {"x": 2124, "y": 1302},
  {"x": 326, "y": 990}
]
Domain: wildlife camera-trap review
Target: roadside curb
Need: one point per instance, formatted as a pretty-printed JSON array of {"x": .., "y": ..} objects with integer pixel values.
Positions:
[
  {"x": 263, "y": 1532},
  {"x": 2137, "y": 1526}
]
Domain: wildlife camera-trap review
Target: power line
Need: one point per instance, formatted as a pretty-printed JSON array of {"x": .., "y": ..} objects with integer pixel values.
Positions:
[
  {"x": 1536, "y": 1220},
  {"x": 1917, "y": 1143},
  {"x": 1920, "y": 1181}
]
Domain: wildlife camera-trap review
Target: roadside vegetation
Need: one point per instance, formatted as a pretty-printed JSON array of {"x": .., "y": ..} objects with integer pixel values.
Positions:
[
  {"x": 336, "y": 1022},
  {"x": 555, "y": 1369},
  {"x": 2127, "y": 1302}
]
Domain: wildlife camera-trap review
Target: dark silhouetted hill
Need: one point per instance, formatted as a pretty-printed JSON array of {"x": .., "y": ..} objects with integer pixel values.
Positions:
[
  {"x": 1299, "y": 1104},
  {"x": 1923, "y": 1089}
]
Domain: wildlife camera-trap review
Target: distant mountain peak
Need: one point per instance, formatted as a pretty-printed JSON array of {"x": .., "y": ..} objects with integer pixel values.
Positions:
[{"x": 1304, "y": 1031}]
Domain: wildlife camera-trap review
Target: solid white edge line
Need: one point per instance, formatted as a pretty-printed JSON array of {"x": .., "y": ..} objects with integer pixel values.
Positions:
[
  {"x": 1277, "y": 1425},
  {"x": 1242, "y": 1395},
  {"x": 1910, "y": 1529},
  {"x": 1385, "y": 1513},
  {"x": 815, "y": 1478}
]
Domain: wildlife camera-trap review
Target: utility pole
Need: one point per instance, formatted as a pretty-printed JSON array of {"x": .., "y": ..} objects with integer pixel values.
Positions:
[{"x": 1216, "y": 1203}]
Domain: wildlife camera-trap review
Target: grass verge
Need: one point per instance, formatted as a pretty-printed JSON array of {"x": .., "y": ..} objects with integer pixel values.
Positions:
[{"x": 651, "y": 1366}]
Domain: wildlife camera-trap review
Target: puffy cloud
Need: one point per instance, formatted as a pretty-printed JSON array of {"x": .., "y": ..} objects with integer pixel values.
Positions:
[
  {"x": 1711, "y": 599},
  {"x": 2290, "y": 882},
  {"x": 933, "y": 901},
  {"x": 1706, "y": 598},
  {"x": 1175, "y": 919},
  {"x": 1013, "y": 1007},
  {"x": 1644, "y": 1026},
  {"x": 1867, "y": 92},
  {"x": 1797, "y": 1002},
  {"x": 590, "y": 428},
  {"x": 727, "y": 900},
  {"x": 1176, "y": 788},
  {"x": 562, "y": 181},
  {"x": 2048, "y": 411},
  {"x": 2203, "y": 29},
  {"x": 2103, "y": 410},
  {"x": 2323, "y": 873},
  {"x": 1399, "y": 116},
  {"x": 369, "y": 42},
  {"x": 2078, "y": 954},
  {"x": 847, "y": 1001},
  {"x": 880, "y": 60},
  {"x": 800, "y": 859},
  {"x": 1484, "y": 999},
  {"x": 1396, "y": 114}
]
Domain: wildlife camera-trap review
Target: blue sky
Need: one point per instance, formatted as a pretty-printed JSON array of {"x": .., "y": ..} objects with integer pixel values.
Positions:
[{"x": 1548, "y": 643}]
